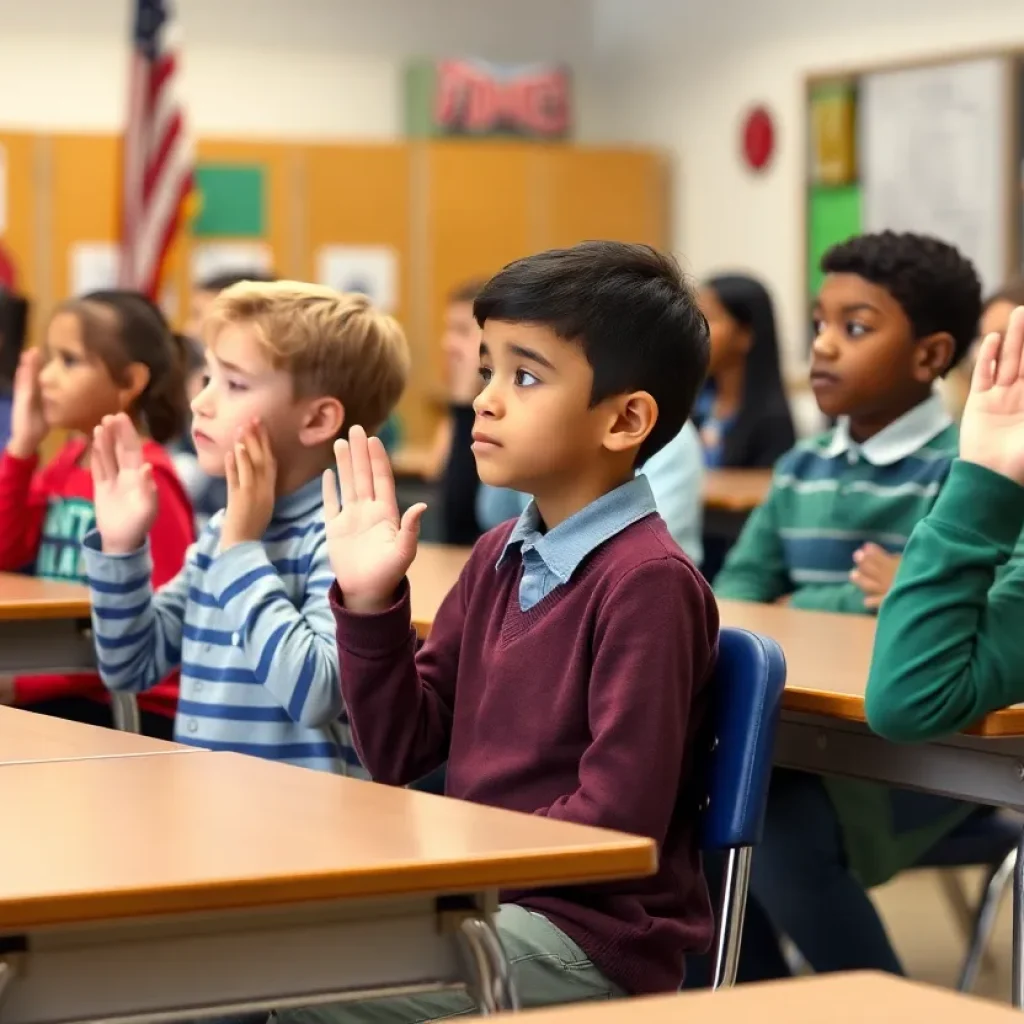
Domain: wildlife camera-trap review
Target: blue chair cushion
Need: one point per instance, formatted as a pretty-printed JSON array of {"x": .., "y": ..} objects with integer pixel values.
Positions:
[{"x": 750, "y": 676}]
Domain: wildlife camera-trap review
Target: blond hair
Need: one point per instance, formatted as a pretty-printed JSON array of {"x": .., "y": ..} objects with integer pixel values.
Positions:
[{"x": 332, "y": 343}]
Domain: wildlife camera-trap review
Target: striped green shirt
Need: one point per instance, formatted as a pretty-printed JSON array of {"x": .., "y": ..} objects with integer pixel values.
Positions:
[{"x": 831, "y": 495}]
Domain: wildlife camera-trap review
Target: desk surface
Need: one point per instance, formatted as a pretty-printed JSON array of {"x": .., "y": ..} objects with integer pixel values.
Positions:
[
  {"x": 25, "y": 736},
  {"x": 837, "y": 998},
  {"x": 130, "y": 837},
  {"x": 828, "y": 655},
  {"x": 736, "y": 490},
  {"x": 24, "y": 597}
]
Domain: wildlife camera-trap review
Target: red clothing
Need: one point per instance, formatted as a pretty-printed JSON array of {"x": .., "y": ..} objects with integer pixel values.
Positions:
[
  {"x": 588, "y": 707},
  {"x": 45, "y": 514}
]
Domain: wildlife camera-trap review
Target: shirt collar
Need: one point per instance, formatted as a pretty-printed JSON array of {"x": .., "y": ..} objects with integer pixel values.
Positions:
[
  {"x": 564, "y": 548},
  {"x": 911, "y": 432},
  {"x": 299, "y": 503}
]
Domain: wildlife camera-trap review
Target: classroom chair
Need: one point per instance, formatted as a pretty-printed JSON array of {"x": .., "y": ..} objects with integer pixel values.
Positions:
[
  {"x": 985, "y": 839},
  {"x": 747, "y": 698}
]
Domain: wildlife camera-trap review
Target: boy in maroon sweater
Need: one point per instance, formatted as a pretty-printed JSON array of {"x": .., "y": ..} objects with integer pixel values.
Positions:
[{"x": 566, "y": 673}]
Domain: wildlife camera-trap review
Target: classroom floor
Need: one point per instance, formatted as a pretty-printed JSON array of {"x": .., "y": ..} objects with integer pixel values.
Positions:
[{"x": 924, "y": 929}]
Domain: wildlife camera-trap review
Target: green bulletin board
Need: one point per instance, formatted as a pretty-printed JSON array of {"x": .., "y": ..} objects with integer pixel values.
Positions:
[
  {"x": 233, "y": 201},
  {"x": 833, "y": 215}
]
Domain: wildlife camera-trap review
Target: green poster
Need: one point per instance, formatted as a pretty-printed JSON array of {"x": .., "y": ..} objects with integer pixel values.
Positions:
[
  {"x": 232, "y": 200},
  {"x": 833, "y": 215}
]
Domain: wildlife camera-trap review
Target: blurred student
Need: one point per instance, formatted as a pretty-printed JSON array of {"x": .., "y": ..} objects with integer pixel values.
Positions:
[
  {"x": 743, "y": 417},
  {"x": 105, "y": 353},
  {"x": 894, "y": 314}
]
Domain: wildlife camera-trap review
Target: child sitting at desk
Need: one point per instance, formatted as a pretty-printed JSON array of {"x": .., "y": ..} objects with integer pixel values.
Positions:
[
  {"x": 566, "y": 673},
  {"x": 289, "y": 368},
  {"x": 895, "y": 312},
  {"x": 949, "y": 645},
  {"x": 104, "y": 352}
]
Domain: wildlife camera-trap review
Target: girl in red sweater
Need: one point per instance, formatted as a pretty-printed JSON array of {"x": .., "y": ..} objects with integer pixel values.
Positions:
[{"x": 105, "y": 353}]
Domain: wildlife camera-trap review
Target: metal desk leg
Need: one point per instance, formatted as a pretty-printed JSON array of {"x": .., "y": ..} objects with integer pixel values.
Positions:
[
  {"x": 1017, "y": 990},
  {"x": 125, "y": 709},
  {"x": 491, "y": 982}
]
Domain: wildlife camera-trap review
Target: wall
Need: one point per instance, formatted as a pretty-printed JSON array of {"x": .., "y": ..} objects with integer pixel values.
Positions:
[
  {"x": 277, "y": 68},
  {"x": 682, "y": 80}
]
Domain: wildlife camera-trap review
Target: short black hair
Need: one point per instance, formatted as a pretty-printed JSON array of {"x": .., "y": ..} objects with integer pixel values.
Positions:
[
  {"x": 631, "y": 311},
  {"x": 934, "y": 283},
  {"x": 228, "y": 279}
]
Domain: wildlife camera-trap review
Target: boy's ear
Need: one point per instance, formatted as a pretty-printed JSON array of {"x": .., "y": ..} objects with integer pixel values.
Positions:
[
  {"x": 322, "y": 421},
  {"x": 134, "y": 381},
  {"x": 934, "y": 356},
  {"x": 635, "y": 416}
]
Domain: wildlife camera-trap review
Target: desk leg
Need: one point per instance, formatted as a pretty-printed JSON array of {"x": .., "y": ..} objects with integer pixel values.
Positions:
[
  {"x": 125, "y": 709},
  {"x": 1017, "y": 992},
  {"x": 491, "y": 982}
]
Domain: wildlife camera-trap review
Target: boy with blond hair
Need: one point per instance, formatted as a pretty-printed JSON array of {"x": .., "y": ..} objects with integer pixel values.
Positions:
[{"x": 290, "y": 368}]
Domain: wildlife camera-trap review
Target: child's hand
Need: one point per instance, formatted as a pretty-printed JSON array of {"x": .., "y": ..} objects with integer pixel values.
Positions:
[
  {"x": 874, "y": 573},
  {"x": 28, "y": 425},
  {"x": 124, "y": 494},
  {"x": 992, "y": 429},
  {"x": 369, "y": 547},
  {"x": 251, "y": 474}
]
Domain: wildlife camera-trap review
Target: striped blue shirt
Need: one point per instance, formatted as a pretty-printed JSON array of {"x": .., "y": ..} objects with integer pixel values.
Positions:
[{"x": 251, "y": 630}]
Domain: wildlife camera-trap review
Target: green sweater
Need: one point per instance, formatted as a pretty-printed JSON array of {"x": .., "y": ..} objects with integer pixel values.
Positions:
[
  {"x": 950, "y": 641},
  {"x": 829, "y": 497}
]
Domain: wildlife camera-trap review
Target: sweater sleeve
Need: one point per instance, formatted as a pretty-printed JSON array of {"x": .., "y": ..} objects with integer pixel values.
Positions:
[
  {"x": 831, "y": 597},
  {"x": 22, "y": 512},
  {"x": 460, "y": 482},
  {"x": 290, "y": 649},
  {"x": 755, "y": 569},
  {"x": 642, "y": 688},
  {"x": 949, "y": 644},
  {"x": 400, "y": 704}
]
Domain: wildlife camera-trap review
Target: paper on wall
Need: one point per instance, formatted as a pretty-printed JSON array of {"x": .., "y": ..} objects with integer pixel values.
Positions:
[
  {"x": 94, "y": 265},
  {"x": 209, "y": 258},
  {"x": 371, "y": 270}
]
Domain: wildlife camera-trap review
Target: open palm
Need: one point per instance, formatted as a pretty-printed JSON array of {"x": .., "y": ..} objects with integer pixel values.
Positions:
[
  {"x": 370, "y": 546},
  {"x": 124, "y": 494},
  {"x": 992, "y": 430}
]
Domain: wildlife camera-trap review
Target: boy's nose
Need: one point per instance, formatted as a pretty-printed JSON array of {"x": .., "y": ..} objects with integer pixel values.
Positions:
[{"x": 488, "y": 402}]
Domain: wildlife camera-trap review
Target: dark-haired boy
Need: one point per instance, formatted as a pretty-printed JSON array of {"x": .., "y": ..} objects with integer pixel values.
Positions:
[
  {"x": 566, "y": 673},
  {"x": 895, "y": 313}
]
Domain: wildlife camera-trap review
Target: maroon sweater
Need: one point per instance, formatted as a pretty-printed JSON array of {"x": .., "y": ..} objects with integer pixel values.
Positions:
[{"x": 588, "y": 708}]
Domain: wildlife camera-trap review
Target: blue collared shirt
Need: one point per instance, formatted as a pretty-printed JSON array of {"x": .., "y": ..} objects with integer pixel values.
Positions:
[{"x": 550, "y": 559}]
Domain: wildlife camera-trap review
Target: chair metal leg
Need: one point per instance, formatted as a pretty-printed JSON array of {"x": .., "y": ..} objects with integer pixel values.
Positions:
[
  {"x": 1017, "y": 987},
  {"x": 125, "y": 710},
  {"x": 490, "y": 975},
  {"x": 985, "y": 918},
  {"x": 729, "y": 934}
]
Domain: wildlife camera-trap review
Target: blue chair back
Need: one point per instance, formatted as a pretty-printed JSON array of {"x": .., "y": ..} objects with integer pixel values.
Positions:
[{"x": 746, "y": 699}]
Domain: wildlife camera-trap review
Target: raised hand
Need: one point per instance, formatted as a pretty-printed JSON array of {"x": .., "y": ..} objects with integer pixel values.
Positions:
[
  {"x": 124, "y": 494},
  {"x": 28, "y": 424},
  {"x": 874, "y": 572},
  {"x": 251, "y": 474},
  {"x": 992, "y": 429},
  {"x": 370, "y": 547}
]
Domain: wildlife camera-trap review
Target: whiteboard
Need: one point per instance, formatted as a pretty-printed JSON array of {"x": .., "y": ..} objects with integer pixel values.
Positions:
[{"x": 935, "y": 157}]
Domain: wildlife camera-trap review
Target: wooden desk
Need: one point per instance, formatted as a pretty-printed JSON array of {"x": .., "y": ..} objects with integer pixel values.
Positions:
[
  {"x": 414, "y": 461},
  {"x": 43, "y": 626},
  {"x": 836, "y": 998},
  {"x": 27, "y": 737},
  {"x": 431, "y": 576},
  {"x": 736, "y": 490},
  {"x": 182, "y": 883}
]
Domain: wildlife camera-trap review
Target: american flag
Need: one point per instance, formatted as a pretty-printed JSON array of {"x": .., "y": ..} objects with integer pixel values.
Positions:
[{"x": 158, "y": 157}]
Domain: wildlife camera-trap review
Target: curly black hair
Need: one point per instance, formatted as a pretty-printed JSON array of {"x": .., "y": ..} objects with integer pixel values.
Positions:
[{"x": 937, "y": 287}]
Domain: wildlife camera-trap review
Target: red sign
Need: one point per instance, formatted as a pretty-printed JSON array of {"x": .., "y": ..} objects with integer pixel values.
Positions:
[
  {"x": 8, "y": 271},
  {"x": 758, "y": 139},
  {"x": 478, "y": 98}
]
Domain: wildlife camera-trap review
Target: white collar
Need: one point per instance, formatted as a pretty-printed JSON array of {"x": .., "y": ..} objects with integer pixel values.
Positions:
[{"x": 911, "y": 432}]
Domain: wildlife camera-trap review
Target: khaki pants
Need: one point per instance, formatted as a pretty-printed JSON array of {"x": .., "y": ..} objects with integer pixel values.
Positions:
[{"x": 548, "y": 968}]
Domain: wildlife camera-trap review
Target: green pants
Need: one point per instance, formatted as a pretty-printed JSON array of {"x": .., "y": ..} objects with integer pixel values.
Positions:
[{"x": 548, "y": 968}]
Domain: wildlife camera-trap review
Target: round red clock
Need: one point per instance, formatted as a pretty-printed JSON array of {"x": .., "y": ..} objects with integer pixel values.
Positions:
[{"x": 758, "y": 139}]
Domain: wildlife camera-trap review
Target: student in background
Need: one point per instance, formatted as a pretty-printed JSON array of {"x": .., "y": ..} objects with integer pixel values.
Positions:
[
  {"x": 592, "y": 357},
  {"x": 895, "y": 313},
  {"x": 105, "y": 353},
  {"x": 949, "y": 644},
  {"x": 744, "y": 417},
  {"x": 289, "y": 368},
  {"x": 206, "y": 290},
  {"x": 676, "y": 476}
]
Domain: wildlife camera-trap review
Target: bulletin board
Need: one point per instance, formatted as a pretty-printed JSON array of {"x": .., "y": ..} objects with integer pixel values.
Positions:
[{"x": 930, "y": 147}]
